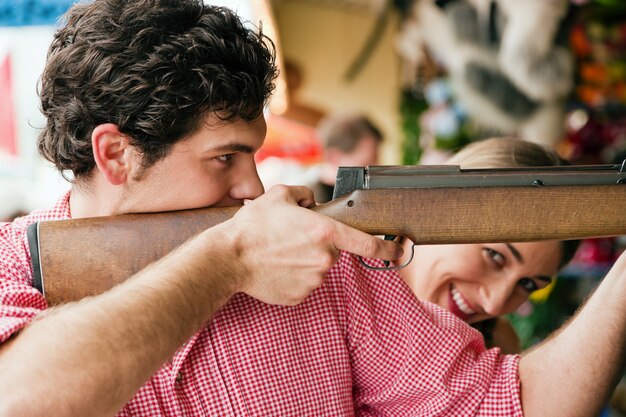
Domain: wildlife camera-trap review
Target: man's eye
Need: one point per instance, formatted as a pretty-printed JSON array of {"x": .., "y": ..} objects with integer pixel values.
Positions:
[
  {"x": 225, "y": 158},
  {"x": 528, "y": 285}
]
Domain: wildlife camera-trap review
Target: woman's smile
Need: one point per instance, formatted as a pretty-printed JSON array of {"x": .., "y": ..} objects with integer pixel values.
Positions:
[{"x": 458, "y": 305}]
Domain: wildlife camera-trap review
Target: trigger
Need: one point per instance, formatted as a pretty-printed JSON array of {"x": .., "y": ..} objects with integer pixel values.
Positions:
[{"x": 389, "y": 237}]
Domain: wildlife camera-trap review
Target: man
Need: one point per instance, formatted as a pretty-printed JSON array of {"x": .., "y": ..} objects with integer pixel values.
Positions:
[
  {"x": 155, "y": 105},
  {"x": 348, "y": 140}
]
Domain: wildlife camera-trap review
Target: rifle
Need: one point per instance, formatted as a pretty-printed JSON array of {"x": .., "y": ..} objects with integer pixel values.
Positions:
[{"x": 427, "y": 204}]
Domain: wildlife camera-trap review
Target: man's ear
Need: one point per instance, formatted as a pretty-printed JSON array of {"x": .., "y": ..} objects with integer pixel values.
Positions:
[{"x": 112, "y": 153}]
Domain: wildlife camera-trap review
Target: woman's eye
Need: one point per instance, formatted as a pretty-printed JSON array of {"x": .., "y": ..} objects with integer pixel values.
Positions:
[
  {"x": 528, "y": 285},
  {"x": 495, "y": 256}
]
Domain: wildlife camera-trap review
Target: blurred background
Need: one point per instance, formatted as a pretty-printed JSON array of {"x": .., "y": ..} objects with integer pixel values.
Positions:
[{"x": 432, "y": 76}]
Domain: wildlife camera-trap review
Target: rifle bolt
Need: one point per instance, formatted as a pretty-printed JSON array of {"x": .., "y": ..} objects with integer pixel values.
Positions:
[{"x": 537, "y": 183}]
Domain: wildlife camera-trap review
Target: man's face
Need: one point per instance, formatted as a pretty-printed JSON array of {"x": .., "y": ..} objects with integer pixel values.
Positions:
[{"x": 213, "y": 167}]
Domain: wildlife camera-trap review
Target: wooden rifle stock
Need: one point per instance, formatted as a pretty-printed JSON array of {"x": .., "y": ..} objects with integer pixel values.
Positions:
[{"x": 73, "y": 259}]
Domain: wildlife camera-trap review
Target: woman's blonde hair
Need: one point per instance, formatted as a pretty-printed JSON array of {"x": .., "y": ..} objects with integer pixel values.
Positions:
[
  {"x": 505, "y": 152},
  {"x": 508, "y": 152}
]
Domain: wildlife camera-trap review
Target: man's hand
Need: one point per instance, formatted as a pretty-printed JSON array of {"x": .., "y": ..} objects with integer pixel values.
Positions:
[{"x": 286, "y": 249}]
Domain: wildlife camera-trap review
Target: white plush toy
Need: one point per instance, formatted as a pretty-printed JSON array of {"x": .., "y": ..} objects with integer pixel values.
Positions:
[{"x": 508, "y": 60}]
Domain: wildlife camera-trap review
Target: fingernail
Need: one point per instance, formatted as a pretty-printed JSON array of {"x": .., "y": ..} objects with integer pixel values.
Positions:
[{"x": 246, "y": 201}]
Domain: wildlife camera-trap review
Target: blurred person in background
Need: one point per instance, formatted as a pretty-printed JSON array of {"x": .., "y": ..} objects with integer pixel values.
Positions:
[{"x": 347, "y": 140}]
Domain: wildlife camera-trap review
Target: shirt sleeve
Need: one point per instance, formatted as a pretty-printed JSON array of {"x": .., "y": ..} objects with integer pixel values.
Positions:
[
  {"x": 20, "y": 302},
  {"x": 413, "y": 358}
]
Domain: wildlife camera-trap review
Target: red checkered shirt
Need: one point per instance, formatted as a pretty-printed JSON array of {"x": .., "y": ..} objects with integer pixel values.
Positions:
[{"x": 361, "y": 344}]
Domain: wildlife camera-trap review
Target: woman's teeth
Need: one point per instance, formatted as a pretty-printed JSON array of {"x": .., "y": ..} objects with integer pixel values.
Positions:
[{"x": 460, "y": 302}]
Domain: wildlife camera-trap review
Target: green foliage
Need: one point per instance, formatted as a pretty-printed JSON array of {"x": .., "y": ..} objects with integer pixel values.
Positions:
[
  {"x": 412, "y": 105},
  {"x": 548, "y": 316}
]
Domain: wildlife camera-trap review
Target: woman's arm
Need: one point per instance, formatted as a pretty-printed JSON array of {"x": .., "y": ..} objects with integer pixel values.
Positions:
[{"x": 573, "y": 372}]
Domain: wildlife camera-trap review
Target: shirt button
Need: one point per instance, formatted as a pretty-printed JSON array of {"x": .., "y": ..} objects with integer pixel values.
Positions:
[{"x": 179, "y": 377}]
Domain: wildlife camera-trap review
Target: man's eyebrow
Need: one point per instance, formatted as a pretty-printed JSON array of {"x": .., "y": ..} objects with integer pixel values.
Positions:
[
  {"x": 232, "y": 147},
  {"x": 515, "y": 253}
]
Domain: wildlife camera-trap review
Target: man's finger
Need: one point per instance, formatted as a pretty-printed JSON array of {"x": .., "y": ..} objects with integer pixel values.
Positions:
[
  {"x": 364, "y": 245},
  {"x": 299, "y": 194}
]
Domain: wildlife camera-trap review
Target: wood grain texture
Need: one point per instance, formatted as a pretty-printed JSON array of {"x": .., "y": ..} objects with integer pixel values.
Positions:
[
  {"x": 85, "y": 257},
  {"x": 88, "y": 256},
  {"x": 490, "y": 214}
]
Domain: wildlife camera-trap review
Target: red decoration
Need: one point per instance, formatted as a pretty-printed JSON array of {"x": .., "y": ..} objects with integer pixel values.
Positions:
[
  {"x": 8, "y": 137},
  {"x": 288, "y": 138}
]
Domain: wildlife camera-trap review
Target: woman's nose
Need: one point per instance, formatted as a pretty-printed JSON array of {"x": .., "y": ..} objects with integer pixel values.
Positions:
[{"x": 494, "y": 297}]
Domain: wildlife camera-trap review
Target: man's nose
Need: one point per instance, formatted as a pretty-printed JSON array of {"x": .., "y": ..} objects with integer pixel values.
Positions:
[{"x": 248, "y": 185}]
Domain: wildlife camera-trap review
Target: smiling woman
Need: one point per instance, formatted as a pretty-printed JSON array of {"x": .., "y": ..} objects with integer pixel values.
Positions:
[{"x": 480, "y": 282}]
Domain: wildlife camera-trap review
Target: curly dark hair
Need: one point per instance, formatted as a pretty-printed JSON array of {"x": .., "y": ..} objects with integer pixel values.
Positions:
[{"x": 156, "y": 69}]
